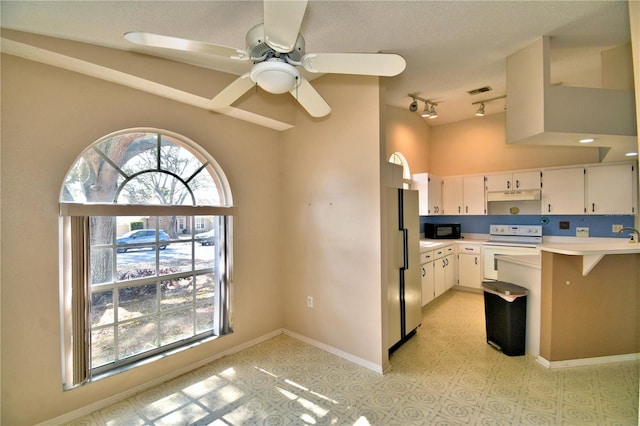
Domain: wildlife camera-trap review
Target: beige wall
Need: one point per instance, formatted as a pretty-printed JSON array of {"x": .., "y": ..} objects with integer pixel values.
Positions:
[
  {"x": 634, "y": 19},
  {"x": 478, "y": 145},
  {"x": 48, "y": 117},
  {"x": 408, "y": 133},
  {"x": 471, "y": 146},
  {"x": 307, "y": 224},
  {"x": 331, "y": 220}
]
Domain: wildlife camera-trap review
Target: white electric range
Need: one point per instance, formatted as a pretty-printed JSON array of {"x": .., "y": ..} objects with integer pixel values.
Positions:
[{"x": 510, "y": 240}]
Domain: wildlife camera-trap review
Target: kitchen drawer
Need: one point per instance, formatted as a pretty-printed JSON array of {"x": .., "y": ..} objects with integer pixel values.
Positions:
[
  {"x": 426, "y": 257},
  {"x": 469, "y": 249},
  {"x": 443, "y": 251}
]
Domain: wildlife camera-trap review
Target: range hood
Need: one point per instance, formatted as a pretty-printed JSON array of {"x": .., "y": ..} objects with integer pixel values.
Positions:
[{"x": 524, "y": 195}]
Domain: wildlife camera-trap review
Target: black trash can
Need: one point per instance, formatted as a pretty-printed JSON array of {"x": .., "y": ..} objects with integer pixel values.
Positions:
[{"x": 505, "y": 311}]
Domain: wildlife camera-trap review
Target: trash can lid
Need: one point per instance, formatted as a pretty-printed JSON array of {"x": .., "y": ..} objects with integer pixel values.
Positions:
[{"x": 502, "y": 287}]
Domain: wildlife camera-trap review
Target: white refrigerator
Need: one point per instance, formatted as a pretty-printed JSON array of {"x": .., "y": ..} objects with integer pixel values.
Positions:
[{"x": 404, "y": 289}]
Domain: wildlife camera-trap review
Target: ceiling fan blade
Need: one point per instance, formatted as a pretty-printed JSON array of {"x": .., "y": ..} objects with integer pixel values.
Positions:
[
  {"x": 282, "y": 21},
  {"x": 177, "y": 43},
  {"x": 381, "y": 64},
  {"x": 310, "y": 99},
  {"x": 231, "y": 93}
]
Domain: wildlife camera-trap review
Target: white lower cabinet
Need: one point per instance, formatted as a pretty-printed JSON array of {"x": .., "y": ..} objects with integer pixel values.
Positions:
[
  {"x": 444, "y": 269},
  {"x": 427, "y": 279},
  {"x": 438, "y": 272},
  {"x": 450, "y": 271},
  {"x": 470, "y": 265}
]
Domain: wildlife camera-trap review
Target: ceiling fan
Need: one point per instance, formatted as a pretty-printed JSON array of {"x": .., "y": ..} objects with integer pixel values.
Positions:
[{"x": 276, "y": 48}]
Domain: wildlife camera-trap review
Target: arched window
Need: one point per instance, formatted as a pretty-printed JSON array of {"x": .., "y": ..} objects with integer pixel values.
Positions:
[
  {"x": 145, "y": 231},
  {"x": 398, "y": 158}
]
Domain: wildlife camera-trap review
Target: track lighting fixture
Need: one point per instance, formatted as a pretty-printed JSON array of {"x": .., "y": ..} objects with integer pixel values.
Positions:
[
  {"x": 429, "y": 110},
  {"x": 480, "y": 111},
  {"x": 425, "y": 112},
  {"x": 432, "y": 112}
]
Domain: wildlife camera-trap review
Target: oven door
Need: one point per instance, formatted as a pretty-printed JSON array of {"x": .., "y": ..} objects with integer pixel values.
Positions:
[{"x": 490, "y": 265}]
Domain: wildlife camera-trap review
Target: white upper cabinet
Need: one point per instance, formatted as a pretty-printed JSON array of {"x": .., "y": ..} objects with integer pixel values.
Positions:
[
  {"x": 513, "y": 181},
  {"x": 452, "y": 195},
  {"x": 474, "y": 195},
  {"x": 429, "y": 193},
  {"x": 598, "y": 189},
  {"x": 563, "y": 191},
  {"x": 462, "y": 195},
  {"x": 611, "y": 189},
  {"x": 435, "y": 195}
]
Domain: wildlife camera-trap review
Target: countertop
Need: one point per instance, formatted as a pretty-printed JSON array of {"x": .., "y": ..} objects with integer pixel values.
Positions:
[
  {"x": 427, "y": 244},
  {"x": 434, "y": 244},
  {"x": 588, "y": 249}
]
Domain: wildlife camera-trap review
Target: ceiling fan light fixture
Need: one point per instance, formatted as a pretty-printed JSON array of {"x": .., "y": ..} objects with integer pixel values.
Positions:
[{"x": 275, "y": 76}]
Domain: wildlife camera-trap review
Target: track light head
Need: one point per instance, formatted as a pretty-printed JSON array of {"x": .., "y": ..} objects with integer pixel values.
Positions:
[
  {"x": 413, "y": 107},
  {"x": 432, "y": 112},
  {"x": 426, "y": 113},
  {"x": 480, "y": 111}
]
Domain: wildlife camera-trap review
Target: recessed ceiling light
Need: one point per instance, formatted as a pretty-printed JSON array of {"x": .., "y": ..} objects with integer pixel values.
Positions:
[
  {"x": 631, "y": 154},
  {"x": 586, "y": 140}
]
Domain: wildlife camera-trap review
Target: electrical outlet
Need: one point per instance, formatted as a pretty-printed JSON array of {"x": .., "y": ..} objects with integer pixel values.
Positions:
[
  {"x": 309, "y": 302},
  {"x": 582, "y": 231},
  {"x": 616, "y": 228}
]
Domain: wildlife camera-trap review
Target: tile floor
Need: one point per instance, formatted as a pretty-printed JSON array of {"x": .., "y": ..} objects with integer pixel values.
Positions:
[{"x": 445, "y": 375}]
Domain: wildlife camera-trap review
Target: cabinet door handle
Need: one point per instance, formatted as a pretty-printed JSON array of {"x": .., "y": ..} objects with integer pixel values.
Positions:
[
  {"x": 458, "y": 209},
  {"x": 424, "y": 272},
  {"x": 466, "y": 209},
  {"x": 593, "y": 207},
  {"x": 468, "y": 248},
  {"x": 476, "y": 260},
  {"x": 508, "y": 185},
  {"x": 517, "y": 183},
  {"x": 549, "y": 208}
]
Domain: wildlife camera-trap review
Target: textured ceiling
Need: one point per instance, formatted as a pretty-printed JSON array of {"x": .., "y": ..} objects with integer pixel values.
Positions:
[{"x": 450, "y": 47}]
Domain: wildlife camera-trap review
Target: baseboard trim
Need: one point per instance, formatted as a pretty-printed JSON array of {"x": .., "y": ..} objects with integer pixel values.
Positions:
[
  {"x": 342, "y": 354},
  {"x": 588, "y": 361},
  {"x": 88, "y": 409}
]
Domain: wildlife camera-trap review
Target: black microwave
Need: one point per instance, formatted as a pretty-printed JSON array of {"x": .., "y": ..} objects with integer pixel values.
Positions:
[{"x": 442, "y": 231}]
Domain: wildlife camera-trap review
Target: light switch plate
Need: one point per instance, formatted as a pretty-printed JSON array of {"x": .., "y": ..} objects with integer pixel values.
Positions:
[
  {"x": 582, "y": 231},
  {"x": 616, "y": 228}
]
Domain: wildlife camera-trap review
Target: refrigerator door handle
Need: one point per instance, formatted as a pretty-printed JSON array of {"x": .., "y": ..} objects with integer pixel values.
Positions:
[
  {"x": 405, "y": 248},
  {"x": 399, "y": 253}
]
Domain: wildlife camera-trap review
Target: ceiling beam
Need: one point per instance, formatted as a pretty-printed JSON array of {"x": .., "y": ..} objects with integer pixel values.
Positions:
[{"x": 69, "y": 63}]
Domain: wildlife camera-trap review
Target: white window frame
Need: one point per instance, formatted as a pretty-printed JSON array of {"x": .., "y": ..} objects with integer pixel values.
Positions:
[{"x": 74, "y": 269}]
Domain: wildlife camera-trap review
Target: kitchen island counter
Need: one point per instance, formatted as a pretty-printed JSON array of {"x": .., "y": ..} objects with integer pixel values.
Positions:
[
  {"x": 592, "y": 253},
  {"x": 589, "y": 303},
  {"x": 588, "y": 249}
]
